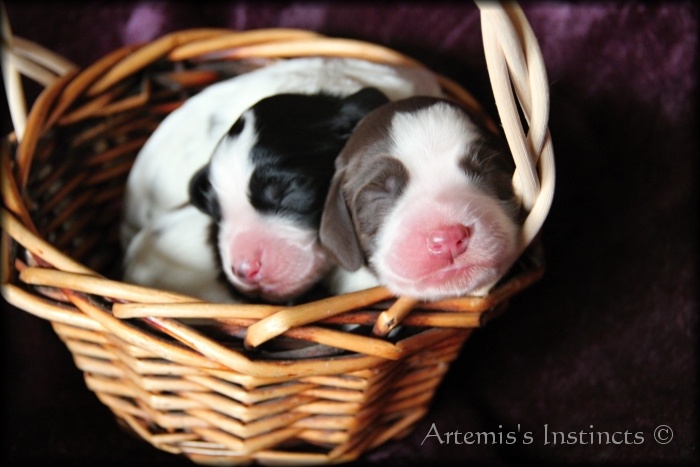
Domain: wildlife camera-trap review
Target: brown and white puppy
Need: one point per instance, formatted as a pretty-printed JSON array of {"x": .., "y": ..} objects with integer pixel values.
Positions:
[{"x": 421, "y": 202}]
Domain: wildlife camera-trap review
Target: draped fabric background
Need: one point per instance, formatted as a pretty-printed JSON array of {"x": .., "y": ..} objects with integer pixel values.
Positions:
[{"x": 606, "y": 342}]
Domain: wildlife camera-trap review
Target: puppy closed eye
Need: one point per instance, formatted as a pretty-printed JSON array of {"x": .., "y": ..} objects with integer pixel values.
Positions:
[
  {"x": 274, "y": 192},
  {"x": 490, "y": 167},
  {"x": 283, "y": 194},
  {"x": 389, "y": 179},
  {"x": 383, "y": 186},
  {"x": 471, "y": 165}
]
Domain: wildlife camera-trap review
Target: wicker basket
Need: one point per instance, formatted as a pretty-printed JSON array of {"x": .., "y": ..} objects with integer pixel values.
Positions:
[{"x": 218, "y": 383}]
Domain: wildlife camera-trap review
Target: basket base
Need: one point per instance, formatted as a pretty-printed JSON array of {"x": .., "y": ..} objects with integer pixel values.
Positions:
[{"x": 321, "y": 419}]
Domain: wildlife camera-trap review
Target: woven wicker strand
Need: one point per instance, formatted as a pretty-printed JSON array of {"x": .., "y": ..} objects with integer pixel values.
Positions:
[
  {"x": 20, "y": 57},
  {"x": 320, "y": 382},
  {"x": 515, "y": 62}
]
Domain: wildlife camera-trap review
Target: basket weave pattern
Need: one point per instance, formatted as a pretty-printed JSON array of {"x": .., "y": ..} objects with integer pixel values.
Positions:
[{"x": 219, "y": 383}]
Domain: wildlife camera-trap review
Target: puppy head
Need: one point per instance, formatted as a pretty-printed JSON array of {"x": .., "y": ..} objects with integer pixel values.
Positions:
[
  {"x": 266, "y": 185},
  {"x": 423, "y": 195}
]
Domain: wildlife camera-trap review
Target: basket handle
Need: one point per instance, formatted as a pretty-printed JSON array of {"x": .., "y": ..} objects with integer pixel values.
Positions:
[
  {"x": 21, "y": 57},
  {"x": 516, "y": 66}
]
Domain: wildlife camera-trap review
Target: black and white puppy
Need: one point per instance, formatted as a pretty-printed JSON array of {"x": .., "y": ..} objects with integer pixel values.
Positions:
[
  {"x": 233, "y": 183},
  {"x": 422, "y": 202}
]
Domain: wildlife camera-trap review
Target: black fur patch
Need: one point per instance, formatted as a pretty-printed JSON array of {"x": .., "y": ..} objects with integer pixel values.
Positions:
[{"x": 298, "y": 139}]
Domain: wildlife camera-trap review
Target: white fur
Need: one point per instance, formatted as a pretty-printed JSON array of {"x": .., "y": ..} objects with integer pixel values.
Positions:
[
  {"x": 430, "y": 143},
  {"x": 186, "y": 140},
  {"x": 179, "y": 258},
  {"x": 341, "y": 281}
]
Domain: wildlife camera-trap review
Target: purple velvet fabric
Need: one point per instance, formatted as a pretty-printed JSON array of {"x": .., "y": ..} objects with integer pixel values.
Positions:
[{"x": 606, "y": 342}]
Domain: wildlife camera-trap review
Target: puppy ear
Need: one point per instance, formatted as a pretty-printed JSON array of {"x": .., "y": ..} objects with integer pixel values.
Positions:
[
  {"x": 357, "y": 105},
  {"x": 337, "y": 232},
  {"x": 202, "y": 194}
]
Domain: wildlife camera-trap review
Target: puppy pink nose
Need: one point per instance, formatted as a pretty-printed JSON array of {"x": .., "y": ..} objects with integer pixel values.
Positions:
[
  {"x": 247, "y": 270},
  {"x": 449, "y": 240}
]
